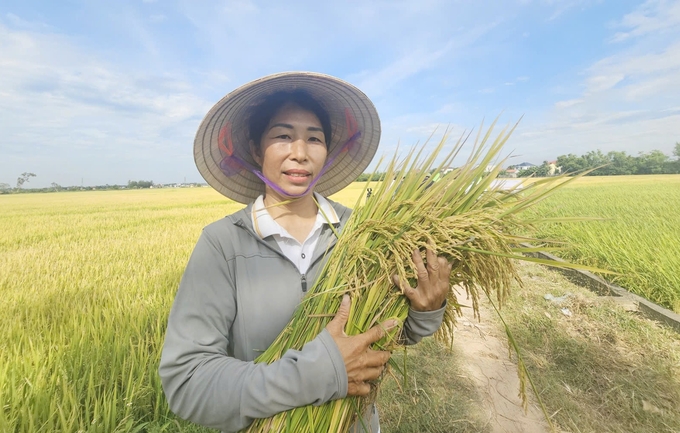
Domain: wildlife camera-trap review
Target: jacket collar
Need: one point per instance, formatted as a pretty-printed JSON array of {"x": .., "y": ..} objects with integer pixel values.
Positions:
[
  {"x": 264, "y": 225},
  {"x": 327, "y": 238}
]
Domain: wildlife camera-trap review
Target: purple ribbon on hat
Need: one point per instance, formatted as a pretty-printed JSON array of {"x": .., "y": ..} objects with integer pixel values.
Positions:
[{"x": 231, "y": 164}]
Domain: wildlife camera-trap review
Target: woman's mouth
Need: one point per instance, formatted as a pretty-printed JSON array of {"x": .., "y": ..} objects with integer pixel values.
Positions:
[{"x": 297, "y": 176}]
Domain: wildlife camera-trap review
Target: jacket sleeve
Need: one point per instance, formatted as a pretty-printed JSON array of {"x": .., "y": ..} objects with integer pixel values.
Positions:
[
  {"x": 421, "y": 324},
  {"x": 205, "y": 385}
]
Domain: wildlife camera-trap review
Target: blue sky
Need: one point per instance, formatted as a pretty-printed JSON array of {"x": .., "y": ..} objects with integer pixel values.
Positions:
[{"x": 109, "y": 91}]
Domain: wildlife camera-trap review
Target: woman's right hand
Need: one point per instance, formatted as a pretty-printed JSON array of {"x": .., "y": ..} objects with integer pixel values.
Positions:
[{"x": 363, "y": 364}]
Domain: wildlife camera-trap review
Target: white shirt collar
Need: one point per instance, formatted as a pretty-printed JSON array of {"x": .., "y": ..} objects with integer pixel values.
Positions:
[{"x": 264, "y": 225}]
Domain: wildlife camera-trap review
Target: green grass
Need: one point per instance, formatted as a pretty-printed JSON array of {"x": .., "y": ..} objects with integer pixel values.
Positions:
[
  {"x": 436, "y": 397},
  {"x": 639, "y": 236},
  {"x": 601, "y": 370}
]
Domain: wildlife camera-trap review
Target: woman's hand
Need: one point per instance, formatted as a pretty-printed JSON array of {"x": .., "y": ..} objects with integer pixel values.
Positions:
[
  {"x": 363, "y": 364},
  {"x": 433, "y": 281}
]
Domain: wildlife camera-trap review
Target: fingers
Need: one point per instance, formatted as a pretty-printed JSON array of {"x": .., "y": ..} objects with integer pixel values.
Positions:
[
  {"x": 411, "y": 294},
  {"x": 432, "y": 259},
  {"x": 374, "y": 364},
  {"x": 432, "y": 271},
  {"x": 421, "y": 270},
  {"x": 402, "y": 284},
  {"x": 433, "y": 280},
  {"x": 408, "y": 291},
  {"x": 370, "y": 372},
  {"x": 358, "y": 388},
  {"x": 444, "y": 269},
  {"x": 379, "y": 331},
  {"x": 337, "y": 325}
]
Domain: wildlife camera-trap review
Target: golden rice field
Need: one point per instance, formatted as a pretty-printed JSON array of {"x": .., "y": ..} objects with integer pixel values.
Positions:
[
  {"x": 638, "y": 236},
  {"x": 87, "y": 280}
]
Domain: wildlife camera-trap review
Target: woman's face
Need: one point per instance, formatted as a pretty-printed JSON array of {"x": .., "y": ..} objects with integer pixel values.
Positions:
[{"x": 292, "y": 149}]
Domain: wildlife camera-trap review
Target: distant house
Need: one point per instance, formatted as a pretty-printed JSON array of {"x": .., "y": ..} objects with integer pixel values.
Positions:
[
  {"x": 511, "y": 172},
  {"x": 553, "y": 169},
  {"x": 524, "y": 165}
]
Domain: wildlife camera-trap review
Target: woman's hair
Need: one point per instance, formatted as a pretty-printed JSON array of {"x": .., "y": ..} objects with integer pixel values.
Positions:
[{"x": 261, "y": 114}]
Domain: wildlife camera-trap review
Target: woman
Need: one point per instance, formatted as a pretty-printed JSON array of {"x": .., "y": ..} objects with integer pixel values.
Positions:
[{"x": 280, "y": 144}]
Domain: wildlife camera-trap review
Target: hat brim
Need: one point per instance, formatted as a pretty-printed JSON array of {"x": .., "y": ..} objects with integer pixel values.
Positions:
[{"x": 336, "y": 96}]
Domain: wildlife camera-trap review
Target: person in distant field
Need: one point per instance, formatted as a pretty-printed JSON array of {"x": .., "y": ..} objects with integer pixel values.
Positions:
[{"x": 279, "y": 144}]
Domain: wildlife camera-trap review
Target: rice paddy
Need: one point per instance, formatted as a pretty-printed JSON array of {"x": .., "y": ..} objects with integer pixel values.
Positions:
[
  {"x": 87, "y": 280},
  {"x": 638, "y": 236}
]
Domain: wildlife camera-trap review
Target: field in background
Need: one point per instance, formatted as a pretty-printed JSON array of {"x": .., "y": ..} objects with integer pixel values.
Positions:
[
  {"x": 86, "y": 283},
  {"x": 87, "y": 280},
  {"x": 639, "y": 236}
]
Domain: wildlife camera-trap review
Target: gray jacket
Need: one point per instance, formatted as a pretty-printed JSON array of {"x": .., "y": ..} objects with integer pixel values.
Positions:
[{"x": 237, "y": 293}]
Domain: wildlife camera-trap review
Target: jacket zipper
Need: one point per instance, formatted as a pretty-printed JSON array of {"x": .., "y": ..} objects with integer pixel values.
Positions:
[{"x": 303, "y": 277}]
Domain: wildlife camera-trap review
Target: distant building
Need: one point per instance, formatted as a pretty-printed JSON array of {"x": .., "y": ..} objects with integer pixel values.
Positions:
[
  {"x": 524, "y": 165},
  {"x": 511, "y": 172},
  {"x": 553, "y": 169}
]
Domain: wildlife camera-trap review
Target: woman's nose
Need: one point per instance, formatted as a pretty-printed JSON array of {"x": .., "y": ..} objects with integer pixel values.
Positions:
[{"x": 298, "y": 149}]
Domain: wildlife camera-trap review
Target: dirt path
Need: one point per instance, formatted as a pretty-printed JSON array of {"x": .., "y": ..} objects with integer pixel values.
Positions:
[{"x": 485, "y": 346}]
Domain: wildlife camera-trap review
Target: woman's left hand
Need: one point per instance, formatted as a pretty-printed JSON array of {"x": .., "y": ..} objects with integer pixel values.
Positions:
[{"x": 433, "y": 281}]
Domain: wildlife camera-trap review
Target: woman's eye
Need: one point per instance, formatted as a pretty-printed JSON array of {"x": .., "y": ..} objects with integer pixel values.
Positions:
[{"x": 283, "y": 136}]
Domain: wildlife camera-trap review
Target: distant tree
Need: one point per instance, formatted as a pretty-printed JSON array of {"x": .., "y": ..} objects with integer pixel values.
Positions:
[
  {"x": 4, "y": 187},
  {"x": 542, "y": 170},
  {"x": 571, "y": 163},
  {"x": 140, "y": 184},
  {"x": 25, "y": 176},
  {"x": 56, "y": 186},
  {"x": 365, "y": 177},
  {"x": 653, "y": 162},
  {"x": 620, "y": 164},
  {"x": 595, "y": 158},
  {"x": 676, "y": 151}
]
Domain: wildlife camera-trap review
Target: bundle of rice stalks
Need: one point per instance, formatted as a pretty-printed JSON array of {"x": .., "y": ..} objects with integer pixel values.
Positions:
[{"x": 473, "y": 223}]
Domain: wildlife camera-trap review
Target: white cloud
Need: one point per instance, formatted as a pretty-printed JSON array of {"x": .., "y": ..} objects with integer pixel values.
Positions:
[
  {"x": 600, "y": 83},
  {"x": 638, "y": 75},
  {"x": 20, "y": 23},
  {"x": 568, "y": 103},
  {"x": 654, "y": 16},
  {"x": 375, "y": 83},
  {"x": 628, "y": 98},
  {"x": 414, "y": 61},
  {"x": 61, "y": 103}
]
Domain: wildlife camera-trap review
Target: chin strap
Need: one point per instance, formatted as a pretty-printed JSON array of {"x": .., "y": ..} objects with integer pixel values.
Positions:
[{"x": 231, "y": 164}]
